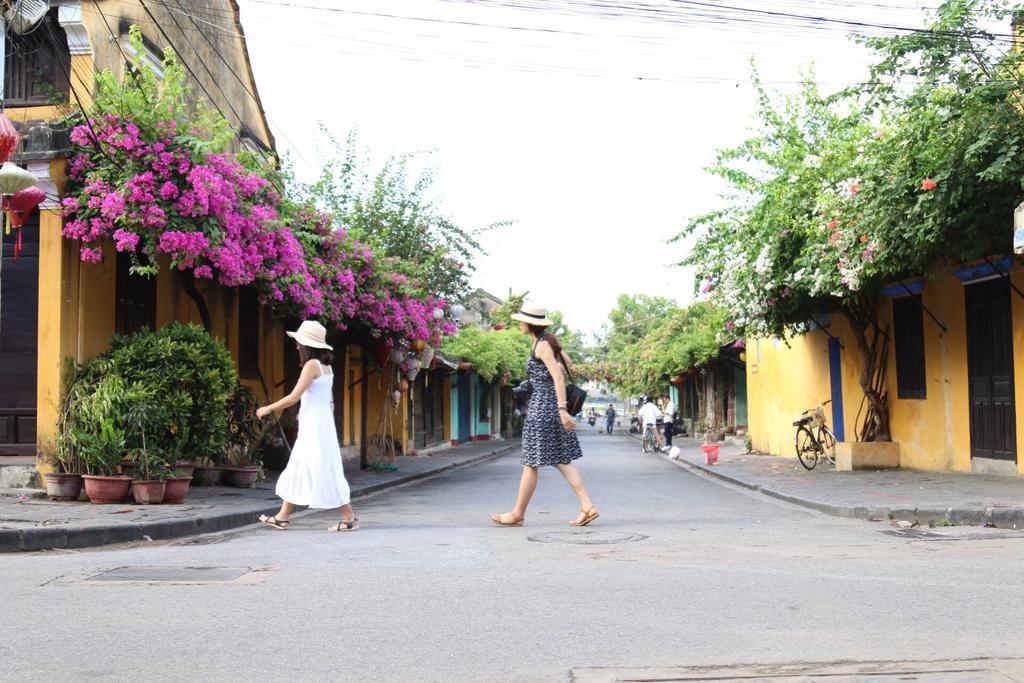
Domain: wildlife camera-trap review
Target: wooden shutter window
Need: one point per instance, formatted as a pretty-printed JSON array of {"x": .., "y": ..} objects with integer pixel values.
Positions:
[
  {"x": 908, "y": 327},
  {"x": 37, "y": 65},
  {"x": 136, "y": 298}
]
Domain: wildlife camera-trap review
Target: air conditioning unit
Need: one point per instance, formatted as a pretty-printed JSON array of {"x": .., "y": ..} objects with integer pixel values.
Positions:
[{"x": 24, "y": 15}]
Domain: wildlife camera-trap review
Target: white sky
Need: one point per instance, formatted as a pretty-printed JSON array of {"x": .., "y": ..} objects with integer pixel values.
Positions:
[{"x": 548, "y": 123}]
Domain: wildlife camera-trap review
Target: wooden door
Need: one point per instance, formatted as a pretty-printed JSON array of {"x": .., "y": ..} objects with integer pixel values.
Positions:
[
  {"x": 19, "y": 329},
  {"x": 990, "y": 370}
]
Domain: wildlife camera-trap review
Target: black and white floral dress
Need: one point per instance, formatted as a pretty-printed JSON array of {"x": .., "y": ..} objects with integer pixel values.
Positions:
[{"x": 545, "y": 440}]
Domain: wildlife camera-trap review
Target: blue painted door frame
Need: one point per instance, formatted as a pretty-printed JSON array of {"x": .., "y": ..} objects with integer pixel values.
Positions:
[{"x": 835, "y": 371}]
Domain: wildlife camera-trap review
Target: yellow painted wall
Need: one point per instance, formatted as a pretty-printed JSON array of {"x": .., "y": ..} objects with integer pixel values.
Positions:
[
  {"x": 1018, "y": 365},
  {"x": 933, "y": 433}
]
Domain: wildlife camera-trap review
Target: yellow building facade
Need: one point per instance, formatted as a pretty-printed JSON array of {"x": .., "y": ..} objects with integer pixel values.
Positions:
[
  {"x": 56, "y": 307},
  {"x": 953, "y": 372}
]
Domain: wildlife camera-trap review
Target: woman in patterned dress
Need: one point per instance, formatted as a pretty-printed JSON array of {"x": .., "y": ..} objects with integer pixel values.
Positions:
[{"x": 549, "y": 436}]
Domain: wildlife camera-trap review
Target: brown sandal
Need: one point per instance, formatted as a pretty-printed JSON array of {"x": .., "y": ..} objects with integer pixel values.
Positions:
[
  {"x": 497, "y": 519},
  {"x": 588, "y": 517},
  {"x": 273, "y": 521},
  {"x": 345, "y": 525}
]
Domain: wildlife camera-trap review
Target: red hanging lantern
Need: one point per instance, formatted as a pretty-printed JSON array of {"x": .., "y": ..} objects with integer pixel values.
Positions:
[
  {"x": 418, "y": 345},
  {"x": 9, "y": 138},
  {"x": 381, "y": 353},
  {"x": 403, "y": 386},
  {"x": 18, "y": 208}
]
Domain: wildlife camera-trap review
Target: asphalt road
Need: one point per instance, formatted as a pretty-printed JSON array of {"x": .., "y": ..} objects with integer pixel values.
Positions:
[{"x": 679, "y": 571}]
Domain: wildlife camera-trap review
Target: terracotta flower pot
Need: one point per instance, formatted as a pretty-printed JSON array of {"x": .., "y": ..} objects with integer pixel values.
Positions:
[
  {"x": 207, "y": 476},
  {"x": 176, "y": 490},
  {"x": 148, "y": 491},
  {"x": 241, "y": 477},
  {"x": 186, "y": 467},
  {"x": 106, "y": 490},
  {"x": 60, "y": 486}
]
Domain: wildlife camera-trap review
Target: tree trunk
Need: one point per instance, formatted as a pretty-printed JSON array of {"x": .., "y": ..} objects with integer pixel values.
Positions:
[
  {"x": 872, "y": 351},
  {"x": 189, "y": 285}
]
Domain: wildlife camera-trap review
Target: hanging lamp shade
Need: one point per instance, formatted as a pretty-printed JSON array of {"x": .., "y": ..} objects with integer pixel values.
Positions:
[
  {"x": 9, "y": 138},
  {"x": 14, "y": 179},
  {"x": 20, "y": 205}
]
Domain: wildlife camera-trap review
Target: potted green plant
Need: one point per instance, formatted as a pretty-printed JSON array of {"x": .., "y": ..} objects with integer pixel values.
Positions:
[
  {"x": 245, "y": 433},
  {"x": 65, "y": 482},
  {"x": 142, "y": 415},
  {"x": 99, "y": 438},
  {"x": 178, "y": 484},
  {"x": 207, "y": 472}
]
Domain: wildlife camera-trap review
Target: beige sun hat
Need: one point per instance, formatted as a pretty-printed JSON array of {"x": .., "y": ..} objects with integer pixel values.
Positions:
[
  {"x": 311, "y": 334},
  {"x": 533, "y": 315}
]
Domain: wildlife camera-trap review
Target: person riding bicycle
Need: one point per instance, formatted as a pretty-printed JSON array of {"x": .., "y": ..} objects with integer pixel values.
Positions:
[{"x": 649, "y": 416}]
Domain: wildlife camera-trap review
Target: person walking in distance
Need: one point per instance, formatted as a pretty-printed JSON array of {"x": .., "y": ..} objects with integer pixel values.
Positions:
[
  {"x": 609, "y": 419},
  {"x": 314, "y": 476},
  {"x": 668, "y": 412},
  {"x": 549, "y": 436}
]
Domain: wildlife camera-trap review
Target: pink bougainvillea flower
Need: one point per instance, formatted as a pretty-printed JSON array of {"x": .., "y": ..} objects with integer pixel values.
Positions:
[
  {"x": 728, "y": 324},
  {"x": 835, "y": 236},
  {"x": 706, "y": 287},
  {"x": 784, "y": 233},
  {"x": 928, "y": 184}
]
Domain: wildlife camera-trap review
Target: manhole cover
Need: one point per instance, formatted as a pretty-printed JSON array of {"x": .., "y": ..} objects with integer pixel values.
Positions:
[
  {"x": 587, "y": 537},
  {"x": 171, "y": 574}
]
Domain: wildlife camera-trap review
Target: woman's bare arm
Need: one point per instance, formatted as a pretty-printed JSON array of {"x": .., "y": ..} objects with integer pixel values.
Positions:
[
  {"x": 547, "y": 356},
  {"x": 310, "y": 371}
]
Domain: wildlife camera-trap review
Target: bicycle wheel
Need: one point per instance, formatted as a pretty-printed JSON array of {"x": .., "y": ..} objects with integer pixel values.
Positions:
[
  {"x": 828, "y": 444},
  {"x": 807, "y": 448}
]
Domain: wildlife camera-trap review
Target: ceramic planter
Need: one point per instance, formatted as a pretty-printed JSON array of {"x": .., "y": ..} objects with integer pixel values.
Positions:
[
  {"x": 241, "y": 477},
  {"x": 186, "y": 467},
  {"x": 106, "y": 490},
  {"x": 207, "y": 476},
  {"x": 148, "y": 491},
  {"x": 60, "y": 486},
  {"x": 176, "y": 490}
]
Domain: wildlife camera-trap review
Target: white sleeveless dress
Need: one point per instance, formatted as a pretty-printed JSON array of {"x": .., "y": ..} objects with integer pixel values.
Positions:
[{"x": 314, "y": 476}]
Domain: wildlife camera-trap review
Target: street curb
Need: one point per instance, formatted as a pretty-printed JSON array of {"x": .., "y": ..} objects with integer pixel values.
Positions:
[
  {"x": 1007, "y": 517},
  {"x": 58, "y": 538}
]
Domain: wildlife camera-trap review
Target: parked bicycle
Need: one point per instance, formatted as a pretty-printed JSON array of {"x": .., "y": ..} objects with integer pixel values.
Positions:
[
  {"x": 650, "y": 439},
  {"x": 813, "y": 439}
]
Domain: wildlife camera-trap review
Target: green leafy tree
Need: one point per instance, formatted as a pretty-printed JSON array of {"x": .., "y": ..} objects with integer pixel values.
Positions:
[
  {"x": 390, "y": 210},
  {"x": 832, "y": 197},
  {"x": 492, "y": 353}
]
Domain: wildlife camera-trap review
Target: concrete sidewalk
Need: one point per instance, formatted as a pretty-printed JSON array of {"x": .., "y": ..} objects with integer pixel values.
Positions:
[
  {"x": 28, "y": 521},
  {"x": 923, "y": 498}
]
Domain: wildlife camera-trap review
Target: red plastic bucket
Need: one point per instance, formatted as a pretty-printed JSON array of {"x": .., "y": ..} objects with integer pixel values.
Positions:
[{"x": 710, "y": 453}]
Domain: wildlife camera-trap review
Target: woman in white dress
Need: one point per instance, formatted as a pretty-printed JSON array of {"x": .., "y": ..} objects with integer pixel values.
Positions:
[{"x": 314, "y": 476}]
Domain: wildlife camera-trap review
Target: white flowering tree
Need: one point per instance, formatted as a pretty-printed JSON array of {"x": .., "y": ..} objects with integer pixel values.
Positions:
[{"x": 832, "y": 197}]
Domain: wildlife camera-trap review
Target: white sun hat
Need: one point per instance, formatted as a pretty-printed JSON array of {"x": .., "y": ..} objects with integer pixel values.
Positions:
[
  {"x": 311, "y": 334},
  {"x": 533, "y": 315}
]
